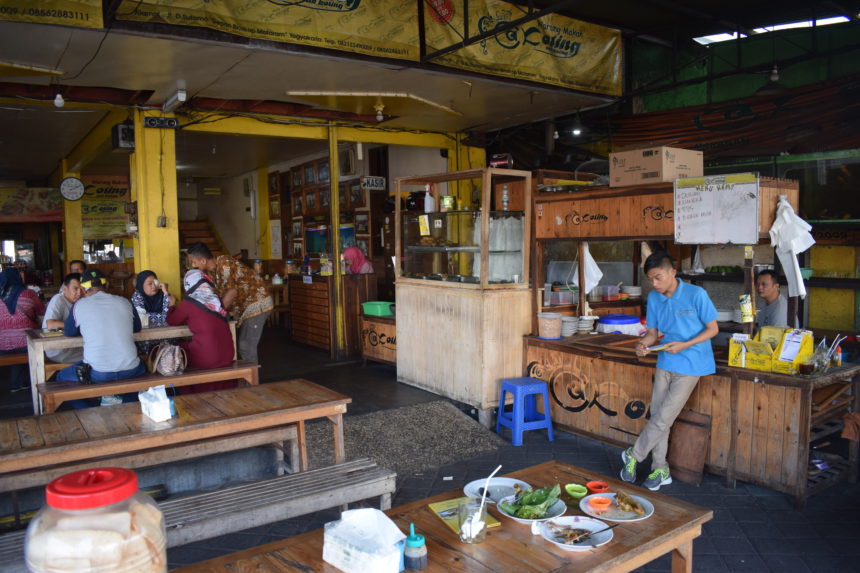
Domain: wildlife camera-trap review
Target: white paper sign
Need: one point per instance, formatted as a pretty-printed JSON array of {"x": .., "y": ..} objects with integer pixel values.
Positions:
[
  {"x": 275, "y": 235},
  {"x": 717, "y": 210}
]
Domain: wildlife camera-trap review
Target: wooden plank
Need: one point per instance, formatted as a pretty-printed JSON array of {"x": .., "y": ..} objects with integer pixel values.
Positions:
[
  {"x": 758, "y": 430},
  {"x": 745, "y": 407},
  {"x": 29, "y": 435},
  {"x": 774, "y": 471},
  {"x": 62, "y": 428}
]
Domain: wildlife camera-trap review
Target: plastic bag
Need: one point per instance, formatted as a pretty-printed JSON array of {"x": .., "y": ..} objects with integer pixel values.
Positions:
[{"x": 363, "y": 540}]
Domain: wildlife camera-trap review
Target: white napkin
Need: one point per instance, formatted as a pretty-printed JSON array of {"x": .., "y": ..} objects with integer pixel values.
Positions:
[{"x": 790, "y": 236}]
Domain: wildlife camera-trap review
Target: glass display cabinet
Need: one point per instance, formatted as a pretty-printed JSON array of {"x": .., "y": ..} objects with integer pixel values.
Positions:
[{"x": 462, "y": 287}]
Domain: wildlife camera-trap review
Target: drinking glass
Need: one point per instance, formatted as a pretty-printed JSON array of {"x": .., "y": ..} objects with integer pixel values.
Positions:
[{"x": 472, "y": 529}]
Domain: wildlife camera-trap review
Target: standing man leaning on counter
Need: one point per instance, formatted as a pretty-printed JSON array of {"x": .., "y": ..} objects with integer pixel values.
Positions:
[
  {"x": 242, "y": 291},
  {"x": 686, "y": 317}
]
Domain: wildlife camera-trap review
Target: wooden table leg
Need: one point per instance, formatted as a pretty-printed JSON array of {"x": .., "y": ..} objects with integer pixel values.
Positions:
[
  {"x": 339, "y": 448},
  {"x": 682, "y": 558},
  {"x": 36, "y": 358},
  {"x": 303, "y": 446}
]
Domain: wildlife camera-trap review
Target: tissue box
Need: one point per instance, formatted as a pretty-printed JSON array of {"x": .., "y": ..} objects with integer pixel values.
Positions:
[
  {"x": 752, "y": 354},
  {"x": 364, "y": 540},
  {"x": 155, "y": 404}
]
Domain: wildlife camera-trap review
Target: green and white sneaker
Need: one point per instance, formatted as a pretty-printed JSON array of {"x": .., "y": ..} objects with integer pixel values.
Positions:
[
  {"x": 628, "y": 472},
  {"x": 656, "y": 479}
]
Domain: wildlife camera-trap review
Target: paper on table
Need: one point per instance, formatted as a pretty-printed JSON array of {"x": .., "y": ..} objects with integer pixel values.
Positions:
[
  {"x": 791, "y": 346},
  {"x": 657, "y": 348}
]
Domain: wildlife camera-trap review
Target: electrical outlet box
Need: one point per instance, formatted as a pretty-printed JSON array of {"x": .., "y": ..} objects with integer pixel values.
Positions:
[
  {"x": 161, "y": 122},
  {"x": 162, "y": 221}
]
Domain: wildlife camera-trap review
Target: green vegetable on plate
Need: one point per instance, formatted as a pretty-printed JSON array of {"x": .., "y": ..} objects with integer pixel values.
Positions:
[{"x": 532, "y": 504}]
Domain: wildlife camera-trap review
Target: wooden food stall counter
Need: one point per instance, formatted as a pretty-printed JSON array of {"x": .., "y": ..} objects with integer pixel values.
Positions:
[
  {"x": 312, "y": 311},
  {"x": 762, "y": 423}
]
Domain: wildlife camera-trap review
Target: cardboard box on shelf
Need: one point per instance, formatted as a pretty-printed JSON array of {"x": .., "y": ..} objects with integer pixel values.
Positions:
[{"x": 653, "y": 165}]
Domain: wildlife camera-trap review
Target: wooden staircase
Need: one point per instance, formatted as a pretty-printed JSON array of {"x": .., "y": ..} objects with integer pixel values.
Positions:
[{"x": 191, "y": 232}]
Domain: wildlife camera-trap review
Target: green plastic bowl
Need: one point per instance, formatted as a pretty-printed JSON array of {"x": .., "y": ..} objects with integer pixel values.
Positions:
[
  {"x": 805, "y": 272},
  {"x": 575, "y": 490}
]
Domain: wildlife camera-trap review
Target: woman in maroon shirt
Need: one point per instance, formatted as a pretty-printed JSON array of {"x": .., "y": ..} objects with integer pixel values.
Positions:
[
  {"x": 211, "y": 345},
  {"x": 20, "y": 309}
]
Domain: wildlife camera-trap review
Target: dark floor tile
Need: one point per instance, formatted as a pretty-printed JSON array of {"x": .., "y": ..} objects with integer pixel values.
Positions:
[
  {"x": 778, "y": 545},
  {"x": 761, "y": 530},
  {"x": 708, "y": 563},
  {"x": 723, "y": 529},
  {"x": 704, "y": 546},
  {"x": 747, "y": 514},
  {"x": 732, "y": 545},
  {"x": 831, "y": 564},
  {"x": 744, "y": 563},
  {"x": 785, "y": 564}
]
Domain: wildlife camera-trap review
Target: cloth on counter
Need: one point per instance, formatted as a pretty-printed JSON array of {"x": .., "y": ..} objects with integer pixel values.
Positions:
[{"x": 790, "y": 236}]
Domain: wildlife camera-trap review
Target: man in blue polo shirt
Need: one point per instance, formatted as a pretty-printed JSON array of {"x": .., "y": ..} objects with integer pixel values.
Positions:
[{"x": 687, "y": 319}]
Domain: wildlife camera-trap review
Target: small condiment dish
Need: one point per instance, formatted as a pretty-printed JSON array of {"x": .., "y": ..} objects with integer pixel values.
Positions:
[
  {"x": 597, "y": 486},
  {"x": 600, "y": 503},
  {"x": 575, "y": 490}
]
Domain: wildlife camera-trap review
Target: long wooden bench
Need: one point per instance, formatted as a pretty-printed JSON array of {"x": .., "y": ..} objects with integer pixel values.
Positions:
[
  {"x": 210, "y": 514},
  {"x": 23, "y": 358},
  {"x": 52, "y": 394}
]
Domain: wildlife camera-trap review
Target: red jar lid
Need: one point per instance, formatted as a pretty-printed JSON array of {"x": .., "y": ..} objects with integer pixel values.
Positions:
[{"x": 87, "y": 489}]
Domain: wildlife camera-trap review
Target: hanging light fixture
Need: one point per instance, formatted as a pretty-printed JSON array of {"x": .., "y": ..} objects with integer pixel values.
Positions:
[
  {"x": 577, "y": 128},
  {"x": 379, "y": 107},
  {"x": 58, "y": 99}
]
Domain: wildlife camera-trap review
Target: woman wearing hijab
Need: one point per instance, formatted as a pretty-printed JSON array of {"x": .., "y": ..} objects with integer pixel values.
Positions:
[
  {"x": 20, "y": 310},
  {"x": 356, "y": 262},
  {"x": 151, "y": 299},
  {"x": 211, "y": 344}
]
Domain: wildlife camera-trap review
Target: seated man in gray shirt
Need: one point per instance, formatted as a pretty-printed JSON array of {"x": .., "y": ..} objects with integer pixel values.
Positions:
[
  {"x": 775, "y": 311},
  {"x": 57, "y": 313},
  {"x": 108, "y": 323}
]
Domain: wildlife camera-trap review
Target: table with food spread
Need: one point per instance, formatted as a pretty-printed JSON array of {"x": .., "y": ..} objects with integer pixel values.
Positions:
[
  {"x": 651, "y": 526},
  {"x": 762, "y": 425}
]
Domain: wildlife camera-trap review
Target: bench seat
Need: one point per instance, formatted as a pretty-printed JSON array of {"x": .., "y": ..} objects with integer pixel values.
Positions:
[
  {"x": 210, "y": 514},
  {"x": 52, "y": 394}
]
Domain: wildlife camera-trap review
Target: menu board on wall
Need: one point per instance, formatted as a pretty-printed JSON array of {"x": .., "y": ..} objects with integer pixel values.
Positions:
[{"x": 717, "y": 210}]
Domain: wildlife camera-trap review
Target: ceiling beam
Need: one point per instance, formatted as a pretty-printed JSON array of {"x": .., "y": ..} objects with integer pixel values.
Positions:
[{"x": 469, "y": 40}]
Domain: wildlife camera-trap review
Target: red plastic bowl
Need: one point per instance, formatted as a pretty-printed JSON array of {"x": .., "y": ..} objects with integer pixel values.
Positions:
[{"x": 597, "y": 486}]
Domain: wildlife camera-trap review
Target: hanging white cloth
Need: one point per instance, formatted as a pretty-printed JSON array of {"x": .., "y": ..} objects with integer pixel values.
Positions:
[
  {"x": 790, "y": 236},
  {"x": 593, "y": 274}
]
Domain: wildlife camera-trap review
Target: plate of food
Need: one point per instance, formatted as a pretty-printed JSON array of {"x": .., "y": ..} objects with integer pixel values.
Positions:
[
  {"x": 623, "y": 507},
  {"x": 534, "y": 505},
  {"x": 500, "y": 487},
  {"x": 576, "y": 533}
]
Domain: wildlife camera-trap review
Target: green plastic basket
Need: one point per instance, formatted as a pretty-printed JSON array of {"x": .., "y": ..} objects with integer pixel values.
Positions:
[{"x": 377, "y": 308}]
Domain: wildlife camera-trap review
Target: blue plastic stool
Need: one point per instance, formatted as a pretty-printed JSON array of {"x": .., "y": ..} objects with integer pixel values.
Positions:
[{"x": 524, "y": 415}]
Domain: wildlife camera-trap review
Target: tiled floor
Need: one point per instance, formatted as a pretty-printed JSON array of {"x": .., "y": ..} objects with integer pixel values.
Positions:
[{"x": 754, "y": 529}]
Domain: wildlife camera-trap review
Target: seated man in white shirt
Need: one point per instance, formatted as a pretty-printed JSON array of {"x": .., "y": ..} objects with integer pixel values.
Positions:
[
  {"x": 775, "y": 311},
  {"x": 57, "y": 313}
]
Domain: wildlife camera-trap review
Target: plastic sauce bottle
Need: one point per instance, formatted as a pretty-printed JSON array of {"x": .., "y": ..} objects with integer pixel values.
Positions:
[
  {"x": 429, "y": 201},
  {"x": 415, "y": 554},
  {"x": 506, "y": 198}
]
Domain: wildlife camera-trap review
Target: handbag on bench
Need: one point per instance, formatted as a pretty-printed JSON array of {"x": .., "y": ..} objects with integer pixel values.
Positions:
[{"x": 167, "y": 359}]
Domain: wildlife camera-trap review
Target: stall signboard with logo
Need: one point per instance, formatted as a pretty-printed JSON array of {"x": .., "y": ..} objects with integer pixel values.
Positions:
[
  {"x": 103, "y": 206},
  {"x": 78, "y": 13}
]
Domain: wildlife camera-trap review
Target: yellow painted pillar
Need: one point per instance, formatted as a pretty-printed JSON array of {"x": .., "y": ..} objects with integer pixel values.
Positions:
[
  {"x": 153, "y": 186},
  {"x": 265, "y": 247},
  {"x": 334, "y": 223},
  {"x": 832, "y": 309},
  {"x": 73, "y": 227}
]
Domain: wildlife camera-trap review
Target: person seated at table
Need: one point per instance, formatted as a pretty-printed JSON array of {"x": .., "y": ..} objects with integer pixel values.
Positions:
[
  {"x": 57, "y": 313},
  {"x": 107, "y": 323},
  {"x": 20, "y": 310},
  {"x": 77, "y": 266},
  {"x": 151, "y": 299},
  {"x": 355, "y": 261},
  {"x": 211, "y": 344},
  {"x": 775, "y": 311}
]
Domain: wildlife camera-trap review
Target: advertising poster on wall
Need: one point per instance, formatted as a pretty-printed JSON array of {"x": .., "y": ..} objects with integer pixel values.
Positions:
[{"x": 103, "y": 206}]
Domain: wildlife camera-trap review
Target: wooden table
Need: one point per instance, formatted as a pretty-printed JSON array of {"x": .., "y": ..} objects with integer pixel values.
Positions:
[
  {"x": 36, "y": 447},
  {"x": 37, "y": 344},
  {"x": 511, "y": 547}
]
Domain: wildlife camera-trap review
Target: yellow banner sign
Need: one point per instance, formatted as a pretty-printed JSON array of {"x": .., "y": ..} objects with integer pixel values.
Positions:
[
  {"x": 103, "y": 206},
  {"x": 384, "y": 28},
  {"x": 553, "y": 50},
  {"x": 81, "y": 13}
]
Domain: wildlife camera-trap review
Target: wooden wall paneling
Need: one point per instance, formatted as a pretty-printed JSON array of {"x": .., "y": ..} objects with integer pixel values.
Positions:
[
  {"x": 745, "y": 405},
  {"x": 506, "y": 317},
  {"x": 717, "y": 389},
  {"x": 775, "y": 436},
  {"x": 758, "y": 446},
  {"x": 769, "y": 191}
]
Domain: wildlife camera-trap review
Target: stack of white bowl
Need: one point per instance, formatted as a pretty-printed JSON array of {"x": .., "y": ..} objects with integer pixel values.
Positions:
[
  {"x": 586, "y": 324},
  {"x": 569, "y": 325},
  {"x": 633, "y": 291}
]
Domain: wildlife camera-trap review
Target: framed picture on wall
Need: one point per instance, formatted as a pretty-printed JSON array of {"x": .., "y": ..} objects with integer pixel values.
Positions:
[
  {"x": 322, "y": 171},
  {"x": 297, "y": 177},
  {"x": 274, "y": 183},
  {"x": 310, "y": 200},
  {"x": 274, "y": 206},
  {"x": 297, "y": 203},
  {"x": 298, "y": 248},
  {"x": 362, "y": 222},
  {"x": 325, "y": 197},
  {"x": 296, "y": 229},
  {"x": 310, "y": 174},
  {"x": 356, "y": 195},
  {"x": 363, "y": 245}
]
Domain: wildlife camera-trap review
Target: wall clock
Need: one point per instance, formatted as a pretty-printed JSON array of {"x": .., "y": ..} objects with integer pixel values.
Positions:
[{"x": 72, "y": 188}]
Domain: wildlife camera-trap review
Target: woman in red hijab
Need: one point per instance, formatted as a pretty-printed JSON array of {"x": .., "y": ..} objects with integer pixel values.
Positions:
[{"x": 356, "y": 262}]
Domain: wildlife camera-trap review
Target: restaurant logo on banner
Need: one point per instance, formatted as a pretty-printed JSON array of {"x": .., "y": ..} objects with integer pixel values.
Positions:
[
  {"x": 80, "y": 13},
  {"x": 386, "y": 29},
  {"x": 553, "y": 49},
  {"x": 103, "y": 206}
]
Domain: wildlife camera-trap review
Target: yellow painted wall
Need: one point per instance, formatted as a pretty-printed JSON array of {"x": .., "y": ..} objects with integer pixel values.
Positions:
[{"x": 832, "y": 309}]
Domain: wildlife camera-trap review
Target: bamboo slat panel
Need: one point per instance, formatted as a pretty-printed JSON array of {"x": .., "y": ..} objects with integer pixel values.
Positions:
[{"x": 460, "y": 342}]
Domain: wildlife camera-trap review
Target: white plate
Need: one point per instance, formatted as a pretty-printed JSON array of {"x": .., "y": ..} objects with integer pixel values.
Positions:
[
  {"x": 613, "y": 513},
  {"x": 555, "y": 510},
  {"x": 499, "y": 487},
  {"x": 577, "y": 522}
]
